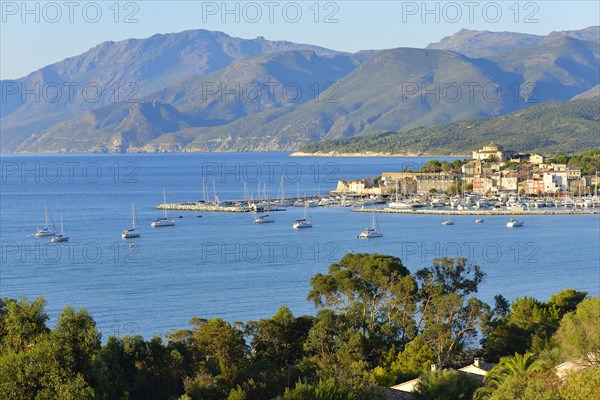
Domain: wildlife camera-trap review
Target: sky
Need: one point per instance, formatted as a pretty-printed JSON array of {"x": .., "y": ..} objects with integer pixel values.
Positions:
[{"x": 34, "y": 34}]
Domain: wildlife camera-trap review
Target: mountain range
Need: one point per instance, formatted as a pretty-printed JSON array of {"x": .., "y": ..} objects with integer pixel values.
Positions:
[
  {"x": 207, "y": 91},
  {"x": 548, "y": 128}
]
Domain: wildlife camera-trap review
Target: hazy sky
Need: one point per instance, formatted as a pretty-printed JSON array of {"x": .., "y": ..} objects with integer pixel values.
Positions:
[{"x": 37, "y": 33}]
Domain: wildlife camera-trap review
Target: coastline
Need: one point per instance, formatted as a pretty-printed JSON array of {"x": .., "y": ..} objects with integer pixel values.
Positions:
[
  {"x": 479, "y": 212},
  {"x": 372, "y": 154}
]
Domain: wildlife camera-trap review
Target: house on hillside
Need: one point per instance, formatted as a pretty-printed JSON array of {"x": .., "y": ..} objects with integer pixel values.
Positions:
[{"x": 478, "y": 369}]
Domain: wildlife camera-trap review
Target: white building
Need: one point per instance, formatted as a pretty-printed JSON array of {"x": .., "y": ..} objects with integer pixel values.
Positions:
[
  {"x": 492, "y": 150},
  {"x": 555, "y": 182}
]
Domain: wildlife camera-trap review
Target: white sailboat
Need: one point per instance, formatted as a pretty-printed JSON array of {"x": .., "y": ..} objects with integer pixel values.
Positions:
[
  {"x": 311, "y": 203},
  {"x": 266, "y": 207},
  {"x": 305, "y": 222},
  {"x": 131, "y": 233},
  {"x": 164, "y": 221},
  {"x": 46, "y": 230},
  {"x": 397, "y": 204},
  {"x": 373, "y": 231},
  {"x": 264, "y": 219},
  {"x": 448, "y": 221},
  {"x": 62, "y": 237},
  {"x": 513, "y": 223}
]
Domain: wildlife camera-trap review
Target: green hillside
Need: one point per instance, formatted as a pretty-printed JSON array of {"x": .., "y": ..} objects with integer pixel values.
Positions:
[{"x": 549, "y": 128}]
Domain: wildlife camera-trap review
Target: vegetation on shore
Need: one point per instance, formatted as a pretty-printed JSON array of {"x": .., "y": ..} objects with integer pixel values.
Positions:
[
  {"x": 549, "y": 128},
  {"x": 377, "y": 325},
  {"x": 588, "y": 161}
]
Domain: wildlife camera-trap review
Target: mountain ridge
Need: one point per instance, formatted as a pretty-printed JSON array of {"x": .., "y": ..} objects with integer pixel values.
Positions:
[
  {"x": 550, "y": 128},
  {"x": 343, "y": 95}
]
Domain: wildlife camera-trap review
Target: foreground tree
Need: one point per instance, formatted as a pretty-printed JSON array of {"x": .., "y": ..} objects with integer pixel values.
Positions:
[
  {"x": 276, "y": 347},
  {"x": 578, "y": 333},
  {"x": 416, "y": 358},
  {"x": 565, "y": 301},
  {"x": 373, "y": 295},
  {"x": 582, "y": 385},
  {"x": 221, "y": 347},
  {"x": 37, "y": 373},
  {"x": 22, "y": 322},
  {"x": 279, "y": 339},
  {"x": 530, "y": 325},
  {"x": 448, "y": 316},
  {"x": 36, "y": 363},
  {"x": 78, "y": 338}
]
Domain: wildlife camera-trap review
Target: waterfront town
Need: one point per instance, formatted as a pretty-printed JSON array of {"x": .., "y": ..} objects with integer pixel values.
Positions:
[
  {"x": 493, "y": 181},
  {"x": 492, "y": 171}
]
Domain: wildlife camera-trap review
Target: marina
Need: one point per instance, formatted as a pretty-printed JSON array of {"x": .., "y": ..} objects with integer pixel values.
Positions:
[
  {"x": 358, "y": 205},
  {"x": 482, "y": 212}
]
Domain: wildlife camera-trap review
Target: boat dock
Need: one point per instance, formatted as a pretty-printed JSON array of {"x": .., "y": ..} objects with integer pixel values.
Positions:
[
  {"x": 240, "y": 206},
  {"x": 363, "y": 204},
  {"x": 479, "y": 212}
]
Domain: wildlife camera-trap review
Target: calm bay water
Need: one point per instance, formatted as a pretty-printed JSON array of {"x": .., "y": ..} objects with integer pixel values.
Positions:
[{"x": 223, "y": 265}]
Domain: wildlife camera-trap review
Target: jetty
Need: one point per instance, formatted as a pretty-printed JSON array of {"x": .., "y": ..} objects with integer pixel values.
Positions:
[
  {"x": 277, "y": 204},
  {"x": 239, "y": 206}
]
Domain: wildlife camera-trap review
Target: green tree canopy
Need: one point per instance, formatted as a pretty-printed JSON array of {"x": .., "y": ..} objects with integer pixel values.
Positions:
[
  {"x": 578, "y": 333},
  {"x": 448, "y": 316},
  {"x": 375, "y": 294}
]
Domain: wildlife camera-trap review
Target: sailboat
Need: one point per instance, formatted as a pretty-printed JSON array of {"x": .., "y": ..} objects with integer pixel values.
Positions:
[
  {"x": 46, "y": 230},
  {"x": 513, "y": 223},
  {"x": 448, "y": 221},
  {"x": 131, "y": 233},
  {"x": 373, "y": 231},
  {"x": 164, "y": 221},
  {"x": 61, "y": 237},
  {"x": 304, "y": 222},
  {"x": 265, "y": 218}
]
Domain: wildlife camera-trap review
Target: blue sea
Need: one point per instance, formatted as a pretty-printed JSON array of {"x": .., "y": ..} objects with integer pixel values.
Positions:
[{"x": 223, "y": 265}]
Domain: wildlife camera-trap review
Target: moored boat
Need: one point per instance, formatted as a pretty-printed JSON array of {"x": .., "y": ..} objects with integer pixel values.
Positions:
[
  {"x": 513, "y": 223},
  {"x": 62, "y": 237},
  {"x": 164, "y": 221},
  {"x": 46, "y": 230},
  {"x": 133, "y": 232}
]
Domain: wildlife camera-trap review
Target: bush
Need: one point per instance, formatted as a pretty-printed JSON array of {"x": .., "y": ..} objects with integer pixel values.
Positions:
[{"x": 446, "y": 385}]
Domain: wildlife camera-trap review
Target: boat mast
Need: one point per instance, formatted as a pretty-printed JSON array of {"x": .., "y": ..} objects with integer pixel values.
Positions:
[
  {"x": 374, "y": 223},
  {"x": 281, "y": 190},
  {"x": 132, "y": 215},
  {"x": 215, "y": 192},
  {"x": 165, "y": 203}
]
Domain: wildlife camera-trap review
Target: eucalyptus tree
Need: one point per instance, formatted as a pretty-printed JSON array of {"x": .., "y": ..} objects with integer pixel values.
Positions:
[{"x": 448, "y": 316}]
